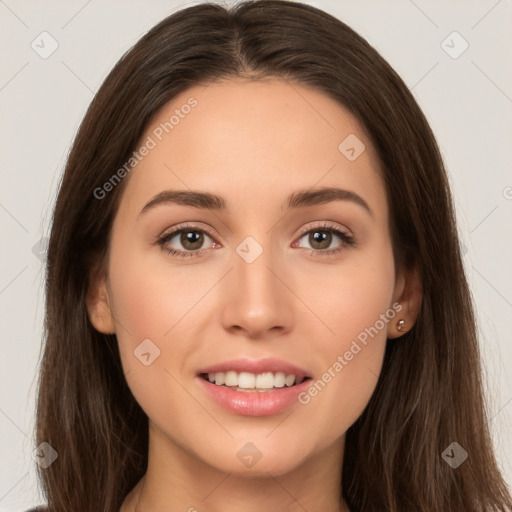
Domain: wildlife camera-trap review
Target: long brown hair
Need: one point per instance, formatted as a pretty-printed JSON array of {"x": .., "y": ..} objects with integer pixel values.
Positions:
[{"x": 430, "y": 391}]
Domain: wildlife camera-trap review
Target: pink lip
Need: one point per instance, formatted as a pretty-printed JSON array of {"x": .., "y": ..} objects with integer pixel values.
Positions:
[
  {"x": 254, "y": 403},
  {"x": 256, "y": 367}
]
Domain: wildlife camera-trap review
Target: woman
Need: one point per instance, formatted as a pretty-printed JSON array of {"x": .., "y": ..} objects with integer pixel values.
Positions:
[{"x": 255, "y": 294}]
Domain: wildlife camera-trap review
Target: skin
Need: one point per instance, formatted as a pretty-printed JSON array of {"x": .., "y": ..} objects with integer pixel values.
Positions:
[{"x": 253, "y": 143}]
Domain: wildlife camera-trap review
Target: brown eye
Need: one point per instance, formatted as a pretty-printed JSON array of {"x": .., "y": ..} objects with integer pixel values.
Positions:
[
  {"x": 321, "y": 238},
  {"x": 191, "y": 240},
  {"x": 185, "y": 241}
]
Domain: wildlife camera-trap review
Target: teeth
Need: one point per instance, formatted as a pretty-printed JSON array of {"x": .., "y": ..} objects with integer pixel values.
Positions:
[
  {"x": 246, "y": 380},
  {"x": 265, "y": 380},
  {"x": 230, "y": 379},
  {"x": 289, "y": 380},
  {"x": 279, "y": 379}
]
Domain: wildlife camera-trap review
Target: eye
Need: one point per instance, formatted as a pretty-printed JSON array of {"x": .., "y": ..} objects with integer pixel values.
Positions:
[
  {"x": 321, "y": 237},
  {"x": 190, "y": 241}
]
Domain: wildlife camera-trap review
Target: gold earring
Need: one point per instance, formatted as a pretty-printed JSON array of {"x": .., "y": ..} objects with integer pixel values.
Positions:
[{"x": 400, "y": 325}]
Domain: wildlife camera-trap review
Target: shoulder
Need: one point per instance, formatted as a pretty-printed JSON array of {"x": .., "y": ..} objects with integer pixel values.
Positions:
[{"x": 40, "y": 508}]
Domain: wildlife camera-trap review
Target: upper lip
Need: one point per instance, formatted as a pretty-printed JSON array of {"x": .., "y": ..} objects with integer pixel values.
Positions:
[{"x": 256, "y": 367}]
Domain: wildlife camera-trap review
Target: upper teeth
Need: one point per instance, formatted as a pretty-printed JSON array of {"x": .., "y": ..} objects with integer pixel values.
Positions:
[{"x": 248, "y": 380}]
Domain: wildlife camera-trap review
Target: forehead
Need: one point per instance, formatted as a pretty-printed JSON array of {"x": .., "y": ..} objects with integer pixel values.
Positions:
[{"x": 258, "y": 140}]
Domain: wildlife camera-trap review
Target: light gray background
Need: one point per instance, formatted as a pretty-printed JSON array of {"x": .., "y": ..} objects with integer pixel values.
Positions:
[{"x": 468, "y": 101}]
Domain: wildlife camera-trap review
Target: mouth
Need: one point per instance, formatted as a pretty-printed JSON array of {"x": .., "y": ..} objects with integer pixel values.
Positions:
[
  {"x": 254, "y": 387},
  {"x": 247, "y": 382}
]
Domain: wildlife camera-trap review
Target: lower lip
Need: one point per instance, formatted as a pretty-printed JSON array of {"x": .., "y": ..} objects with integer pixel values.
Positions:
[{"x": 255, "y": 403}]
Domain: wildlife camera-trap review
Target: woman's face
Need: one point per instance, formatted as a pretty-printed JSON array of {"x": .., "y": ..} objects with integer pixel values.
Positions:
[{"x": 277, "y": 280}]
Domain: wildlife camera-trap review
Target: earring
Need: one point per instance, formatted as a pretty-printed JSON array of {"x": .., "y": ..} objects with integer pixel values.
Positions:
[{"x": 400, "y": 325}]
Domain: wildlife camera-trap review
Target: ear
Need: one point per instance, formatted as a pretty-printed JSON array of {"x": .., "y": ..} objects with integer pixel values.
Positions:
[
  {"x": 98, "y": 303},
  {"x": 408, "y": 293}
]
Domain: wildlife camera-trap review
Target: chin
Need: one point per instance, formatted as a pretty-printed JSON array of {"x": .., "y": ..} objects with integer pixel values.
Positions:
[{"x": 258, "y": 457}]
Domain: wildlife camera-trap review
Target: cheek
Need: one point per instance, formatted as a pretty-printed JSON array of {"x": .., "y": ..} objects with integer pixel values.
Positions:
[
  {"x": 352, "y": 296},
  {"x": 151, "y": 298},
  {"x": 150, "y": 309},
  {"x": 150, "y": 313},
  {"x": 355, "y": 302}
]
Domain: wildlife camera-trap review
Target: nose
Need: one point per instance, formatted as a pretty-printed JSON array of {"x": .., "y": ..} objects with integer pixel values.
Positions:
[{"x": 256, "y": 300}]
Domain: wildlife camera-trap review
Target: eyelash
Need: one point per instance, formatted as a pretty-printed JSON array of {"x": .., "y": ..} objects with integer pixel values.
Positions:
[{"x": 347, "y": 239}]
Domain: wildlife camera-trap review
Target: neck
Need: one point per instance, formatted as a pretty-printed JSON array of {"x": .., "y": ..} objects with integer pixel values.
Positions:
[{"x": 176, "y": 480}]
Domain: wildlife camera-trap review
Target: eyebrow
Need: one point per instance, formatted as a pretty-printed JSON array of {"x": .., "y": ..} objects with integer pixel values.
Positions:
[{"x": 298, "y": 199}]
